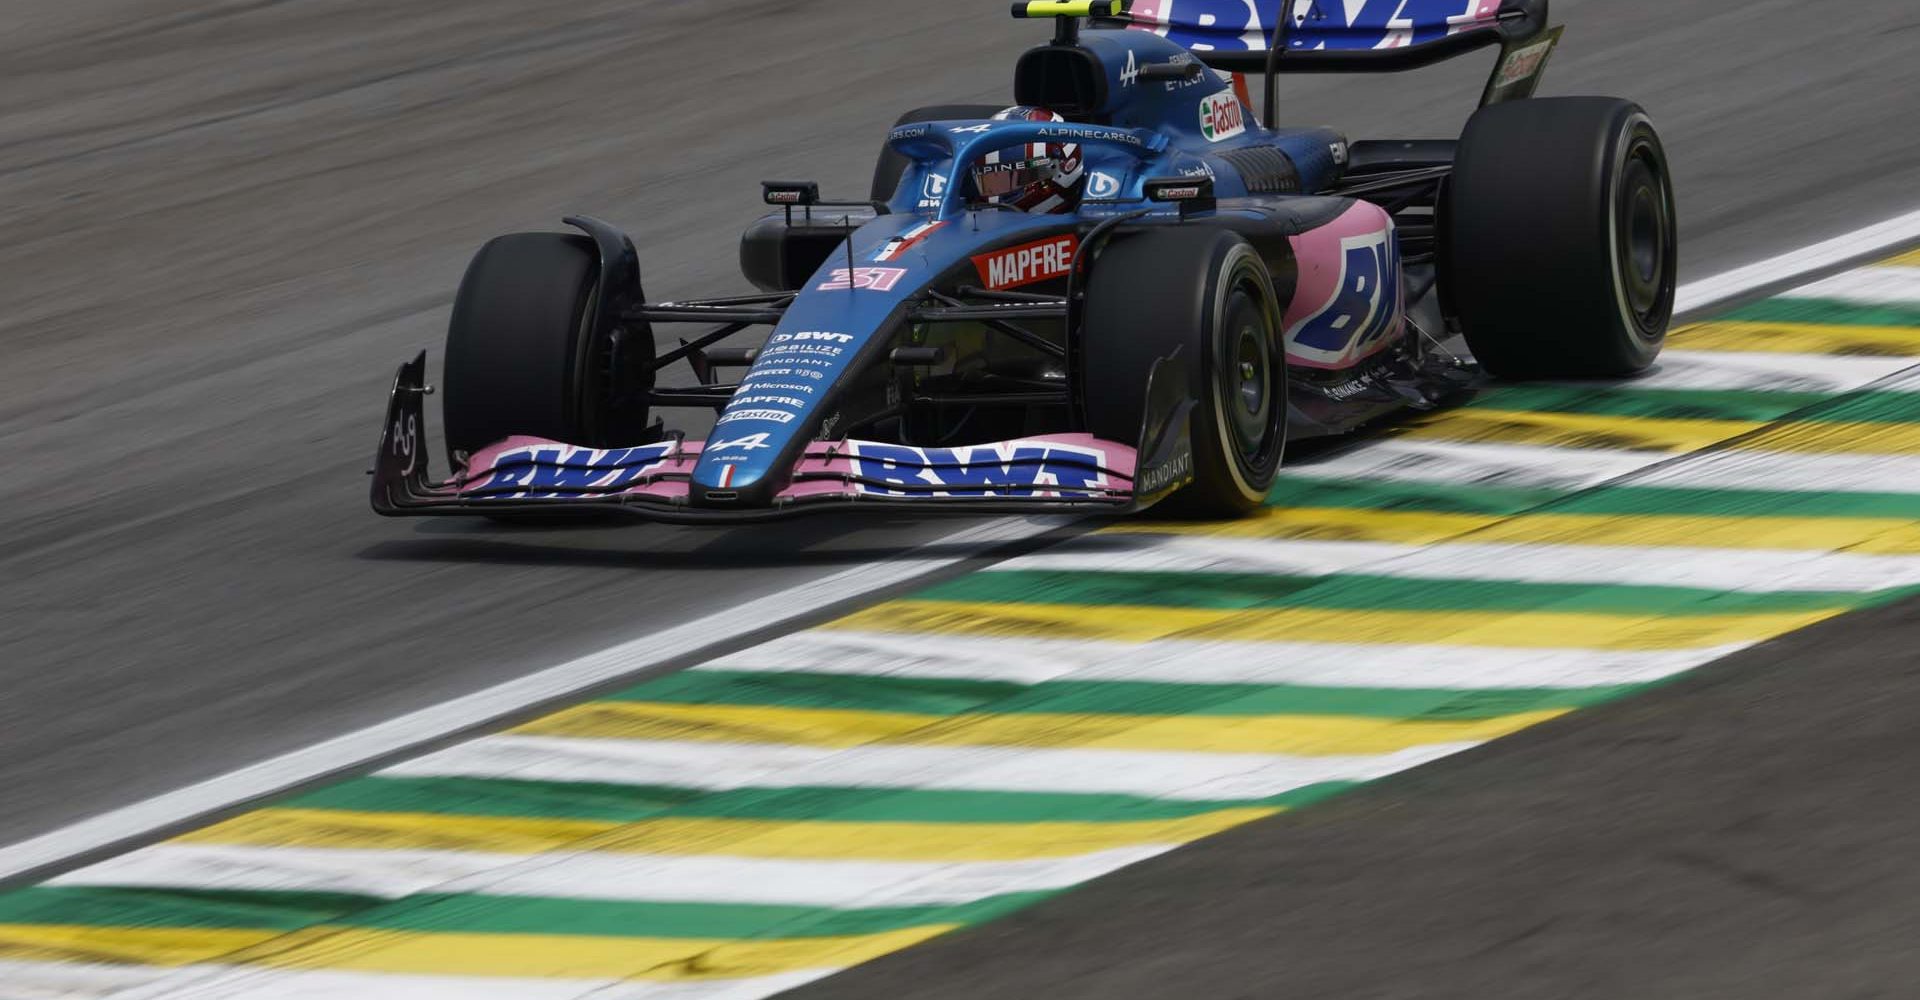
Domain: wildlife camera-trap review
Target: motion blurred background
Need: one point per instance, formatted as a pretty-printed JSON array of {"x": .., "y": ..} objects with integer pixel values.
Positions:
[{"x": 222, "y": 223}]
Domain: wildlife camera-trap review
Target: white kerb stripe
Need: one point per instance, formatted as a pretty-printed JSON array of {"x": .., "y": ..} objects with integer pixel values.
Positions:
[
  {"x": 1893, "y": 286},
  {"x": 1737, "y": 570},
  {"x": 1765, "y": 372},
  {"x": 240, "y": 867},
  {"x": 836, "y": 884},
  {"x": 1033, "y": 661},
  {"x": 70, "y": 981},
  {"x": 1459, "y": 463},
  {"x": 1170, "y": 774}
]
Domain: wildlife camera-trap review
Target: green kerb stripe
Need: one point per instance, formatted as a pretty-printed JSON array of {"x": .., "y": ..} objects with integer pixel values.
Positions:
[
  {"x": 223, "y": 909},
  {"x": 561, "y": 800},
  {"x": 619, "y": 918},
  {"x": 1247, "y": 591},
  {"x": 474, "y": 914},
  {"x": 1660, "y": 404},
  {"x": 1130, "y": 697},
  {"x": 1738, "y": 503},
  {"x": 1787, "y": 310},
  {"x": 807, "y": 690}
]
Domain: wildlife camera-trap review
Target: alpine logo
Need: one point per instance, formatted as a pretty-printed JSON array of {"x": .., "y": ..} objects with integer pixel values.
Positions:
[
  {"x": 1027, "y": 264},
  {"x": 872, "y": 279},
  {"x": 1221, "y": 117},
  {"x": 899, "y": 245}
]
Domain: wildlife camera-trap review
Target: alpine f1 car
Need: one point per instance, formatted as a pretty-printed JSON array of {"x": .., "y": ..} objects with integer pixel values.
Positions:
[{"x": 1123, "y": 291}]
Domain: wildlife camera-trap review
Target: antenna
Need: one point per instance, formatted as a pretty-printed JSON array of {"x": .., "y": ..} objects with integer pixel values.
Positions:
[{"x": 852, "y": 285}]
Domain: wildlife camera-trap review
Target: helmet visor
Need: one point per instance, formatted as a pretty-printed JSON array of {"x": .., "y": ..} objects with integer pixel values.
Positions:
[{"x": 997, "y": 180}]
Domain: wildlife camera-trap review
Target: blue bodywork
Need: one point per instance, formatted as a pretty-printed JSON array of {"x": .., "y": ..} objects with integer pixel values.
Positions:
[{"x": 851, "y": 307}]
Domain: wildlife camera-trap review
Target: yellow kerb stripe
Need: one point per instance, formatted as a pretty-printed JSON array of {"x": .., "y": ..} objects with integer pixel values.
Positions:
[
  {"x": 397, "y": 831},
  {"x": 1287, "y": 734},
  {"x": 166, "y": 946},
  {"x": 536, "y": 956},
  {"x": 1581, "y": 430},
  {"x": 1575, "y": 430},
  {"x": 1529, "y": 630},
  {"x": 1909, "y": 259},
  {"x": 1871, "y": 535},
  {"x": 791, "y": 839},
  {"x": 1798, "y": 338}
]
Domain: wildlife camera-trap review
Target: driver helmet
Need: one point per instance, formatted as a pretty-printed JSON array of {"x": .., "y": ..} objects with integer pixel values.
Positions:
[{"x": 1040, "y": 177}]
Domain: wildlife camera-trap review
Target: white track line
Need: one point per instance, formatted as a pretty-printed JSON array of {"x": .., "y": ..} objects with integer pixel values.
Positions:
[
  {"x": 397, "y": 735},
  {"x": 357, "y": 748},
  {"x": 1856, "y": 245}
]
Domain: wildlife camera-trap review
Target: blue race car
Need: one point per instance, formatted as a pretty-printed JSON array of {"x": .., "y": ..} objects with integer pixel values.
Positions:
[{"x": 1124, "y": 291}]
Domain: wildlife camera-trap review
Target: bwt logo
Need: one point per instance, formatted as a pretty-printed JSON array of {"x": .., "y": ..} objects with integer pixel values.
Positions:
[
  {"x": 1238, "y": 25},
  {"x": 1013, "y": 469},
  {"x": 555, "y": 472},
  {"x": 811, "y": 336},
  {"x": 1365, "y": 306}
]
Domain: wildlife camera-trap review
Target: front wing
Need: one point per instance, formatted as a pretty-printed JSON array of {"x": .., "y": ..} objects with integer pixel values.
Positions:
[{"x": 1044, "y": 474}]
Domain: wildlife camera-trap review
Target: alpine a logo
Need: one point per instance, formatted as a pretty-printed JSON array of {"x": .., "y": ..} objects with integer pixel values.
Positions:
[
  {"x": 1221, "y": 117},
  {"x": 1028, "y": 264}
]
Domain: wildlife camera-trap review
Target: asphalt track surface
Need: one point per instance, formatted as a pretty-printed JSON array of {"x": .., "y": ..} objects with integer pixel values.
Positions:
[{"x": 223, "y": 228}]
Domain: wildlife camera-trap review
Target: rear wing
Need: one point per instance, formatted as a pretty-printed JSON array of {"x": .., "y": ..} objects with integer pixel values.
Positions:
[{"x": 1337, "y": 36}]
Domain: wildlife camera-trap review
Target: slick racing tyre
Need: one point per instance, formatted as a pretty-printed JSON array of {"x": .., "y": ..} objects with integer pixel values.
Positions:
[
  {"x": 1559, "y": 238},
  {"x": 887, "y": 170},
  {"x": 521, "y": 358},
  {"x": 1207, "y": 294}
]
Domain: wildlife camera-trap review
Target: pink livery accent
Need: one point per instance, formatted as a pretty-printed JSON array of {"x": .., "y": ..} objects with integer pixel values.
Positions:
[
  {"x": 1054, "y": 466},
  {"x": 1348, "y": 303}
]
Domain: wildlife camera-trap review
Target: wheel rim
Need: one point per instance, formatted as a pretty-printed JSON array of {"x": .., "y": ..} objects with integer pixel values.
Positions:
[
  {"x": 1644, "y": 235},
  {"x": 1248, "y": 379},
  {"x": 1246, "y": 389}
]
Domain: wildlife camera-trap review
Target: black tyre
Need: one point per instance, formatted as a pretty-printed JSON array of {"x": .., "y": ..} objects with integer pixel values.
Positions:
[
  {"x": 521, "y": 357},
  {"x": 1206, "y": 293},
  {"x": 891, "y": 165},
  {"x": 1560, "y": 238}
]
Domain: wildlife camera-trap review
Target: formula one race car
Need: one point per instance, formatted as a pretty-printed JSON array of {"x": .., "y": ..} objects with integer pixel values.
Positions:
[{"x": 1121, "y": 292}]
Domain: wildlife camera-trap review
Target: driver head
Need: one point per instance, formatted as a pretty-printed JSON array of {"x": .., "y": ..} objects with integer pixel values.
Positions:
[{"x": 1034, "y": 177}]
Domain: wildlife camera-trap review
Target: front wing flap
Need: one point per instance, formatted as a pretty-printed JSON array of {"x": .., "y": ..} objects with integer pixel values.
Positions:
[{"x": 1051, "y": 473}]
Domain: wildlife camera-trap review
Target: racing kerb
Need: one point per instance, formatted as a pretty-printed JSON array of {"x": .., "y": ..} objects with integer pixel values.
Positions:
[{"x": 938, "y": 760}]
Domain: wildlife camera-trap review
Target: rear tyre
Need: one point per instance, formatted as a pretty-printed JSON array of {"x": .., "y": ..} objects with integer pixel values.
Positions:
[
  {"x": 1207, "y": 293},
  {"x": 1560, "y": 238},
  {"x": 521, "y": 355},
  {"x": 891, "y": 165}
]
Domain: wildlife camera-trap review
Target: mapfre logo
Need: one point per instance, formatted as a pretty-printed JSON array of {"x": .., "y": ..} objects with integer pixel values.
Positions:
[
  {"x": 1221, "y": 117},
  {"x": 1026, "y": 265}
]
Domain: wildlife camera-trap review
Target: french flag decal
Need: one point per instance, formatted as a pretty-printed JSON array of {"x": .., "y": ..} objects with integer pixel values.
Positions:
[
  {"x": 900, "y": 244},
  {"x": 726, "y": 475}
]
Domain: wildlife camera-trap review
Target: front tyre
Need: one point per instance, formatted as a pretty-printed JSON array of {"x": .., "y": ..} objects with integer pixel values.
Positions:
[
  {"x": 522, "y": 357},
  {"x": 1206, "y": 293},
  {"x": 1560, "y": 238}
]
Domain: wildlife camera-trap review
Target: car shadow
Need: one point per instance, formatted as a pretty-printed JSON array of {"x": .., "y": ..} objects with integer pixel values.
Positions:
[{"x": 620, "y": 543}]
